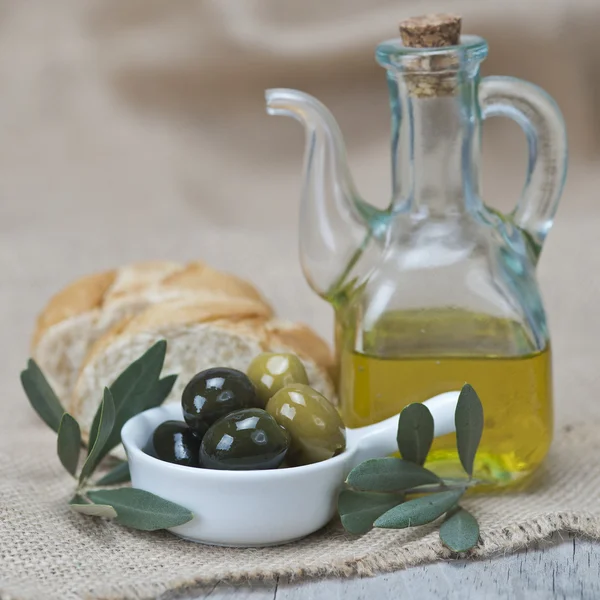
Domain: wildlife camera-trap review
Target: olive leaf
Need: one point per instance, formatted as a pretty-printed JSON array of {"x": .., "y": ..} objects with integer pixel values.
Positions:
[
  {"x": 106, "y": 424},
  {"x": 460, "y": 531},
  {"x": 468, "y": 420},
  {"x": 68, "y": 443},
  {"x": 41, "y": 395},
  {"x": 358, "y": 510},
  {"x": 390, "y": 475},
  {"x": 82, "y": 505},
  {"x": 136, "y": 404},
  {"x": 135, "y": 390},
  {"x": 139, "y": 377},
  {"x": 119, "y": 474},
  {"x": 142, "y": 510},
  {"x": 159, "y": 392},
  {"x": 415, "y": 433},
  {"x": 419, "y": 511},
  {"x": 141, "y": 374},
  {"x": 95, "y": 510}
]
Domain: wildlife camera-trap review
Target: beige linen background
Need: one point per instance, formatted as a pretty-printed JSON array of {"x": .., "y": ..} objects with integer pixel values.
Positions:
[{"x": 135, "y": 129}]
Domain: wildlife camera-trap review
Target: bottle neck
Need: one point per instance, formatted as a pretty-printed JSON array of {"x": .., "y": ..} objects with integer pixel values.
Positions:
[{"x": 435, "y": 148}]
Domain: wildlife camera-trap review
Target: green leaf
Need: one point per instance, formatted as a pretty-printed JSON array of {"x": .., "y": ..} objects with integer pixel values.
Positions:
[
  {"x": 142, "y": 510},
  {"x": 468, "y": 420},
  {"x": 141, "y": 374},
  {"x": 390, "y": 475},
  {"x": 106, "y": 424},
  {"x": 158, "y": 394},
  {"x": 415, "y": 433},
  {"x": 358, "y": 510},
  {"x": 95, "y": 510},
  {"x": 120, "y": 474},
  {"x": 460, "y": 531},
  {"x": 136, "y": 404},
  {"x": 419, "y": 511},
  {"x": 82, "y": 505},
  {"x": 135, "y": 390},
  {"x": 68, "y": 443},
  {"x": 41, "y": 395}
]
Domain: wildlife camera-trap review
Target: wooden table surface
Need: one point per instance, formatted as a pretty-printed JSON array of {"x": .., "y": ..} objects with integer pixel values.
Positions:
[{"x": 564, "y": 568}]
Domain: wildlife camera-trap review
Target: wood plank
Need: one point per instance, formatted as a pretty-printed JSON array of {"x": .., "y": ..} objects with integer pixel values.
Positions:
[
  {"x": 564, "y": 567},
  {"x": 226, "y": 591}
]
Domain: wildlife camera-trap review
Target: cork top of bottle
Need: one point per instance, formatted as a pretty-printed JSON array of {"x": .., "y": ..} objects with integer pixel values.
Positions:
[
  {"x": 431, "y": 76},
  {"x": 431, "y": 31}
]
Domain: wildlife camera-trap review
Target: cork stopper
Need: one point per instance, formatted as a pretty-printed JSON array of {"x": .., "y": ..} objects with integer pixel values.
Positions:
[
  {"x": 431, "y": 31},
  {"x": 434, "y": 74}
]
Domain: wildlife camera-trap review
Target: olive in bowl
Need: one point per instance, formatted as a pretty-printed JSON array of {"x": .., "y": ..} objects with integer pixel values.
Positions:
[
  {"x": 316, "y": 429},
  {"x": 244, "y": 440},
  {"x": 214, "y": 393},
  {"x": 269, "y": 372},
  {"x": 175, "y": 442}
]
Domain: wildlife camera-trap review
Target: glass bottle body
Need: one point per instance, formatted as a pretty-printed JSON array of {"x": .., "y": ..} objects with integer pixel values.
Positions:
[
  {"x": 452, "y": 295},
  {"x": 438, "y": 290}
]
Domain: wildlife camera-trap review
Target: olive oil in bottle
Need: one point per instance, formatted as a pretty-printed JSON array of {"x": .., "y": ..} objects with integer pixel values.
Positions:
[{"x": 439, "y": 352}]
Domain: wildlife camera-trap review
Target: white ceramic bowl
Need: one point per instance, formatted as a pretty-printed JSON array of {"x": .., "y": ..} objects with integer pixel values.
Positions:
[{"x": 260, "y": 508}]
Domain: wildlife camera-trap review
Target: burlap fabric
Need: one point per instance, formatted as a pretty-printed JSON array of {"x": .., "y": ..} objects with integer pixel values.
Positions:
[
  {"x": 135, "y": 129},
  {"x": 49, "y": 552}
]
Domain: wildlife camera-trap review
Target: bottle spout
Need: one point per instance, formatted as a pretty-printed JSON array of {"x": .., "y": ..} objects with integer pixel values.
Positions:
[
  {"x": 303, "y": 107},
  {"x": 335, "y": 223},
  {"x": 292, "y": 103}
]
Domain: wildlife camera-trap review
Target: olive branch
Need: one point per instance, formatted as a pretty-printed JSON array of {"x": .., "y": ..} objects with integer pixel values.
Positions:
[
  {"x": 136, "y": 389},
  {"x": 396, "y": 493}
]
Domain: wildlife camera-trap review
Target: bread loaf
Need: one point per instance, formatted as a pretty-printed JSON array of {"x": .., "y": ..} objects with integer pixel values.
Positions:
[
  {"x": 199, "y": 336},
  {"x": 85, "y": 310}
]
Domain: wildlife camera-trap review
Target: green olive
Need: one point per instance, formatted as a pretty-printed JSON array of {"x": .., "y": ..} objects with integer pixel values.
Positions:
[
  {"x": 315, "y": 426},
  {"x": 244, "y": 440},
  {"x": 270, "y": 372}
]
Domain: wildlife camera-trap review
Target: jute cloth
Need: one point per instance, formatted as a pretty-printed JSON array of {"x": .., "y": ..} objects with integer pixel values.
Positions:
[
  {"x": 135, "y": 129},
  {"x": 49, "y": 552}
]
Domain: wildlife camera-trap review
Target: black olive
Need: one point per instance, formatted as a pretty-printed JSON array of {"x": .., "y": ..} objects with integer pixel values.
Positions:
[
  {"x": 244, "y": 440},
  {"x": 175, "y": 442},
  {"x": 214, "y": 393}
]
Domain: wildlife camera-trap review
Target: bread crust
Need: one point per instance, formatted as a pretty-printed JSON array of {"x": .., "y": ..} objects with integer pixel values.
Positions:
[
  {"x": 197, "y": 276},
  {"x": 98, "y": 290},
  {"x": 84, "y": 295}
]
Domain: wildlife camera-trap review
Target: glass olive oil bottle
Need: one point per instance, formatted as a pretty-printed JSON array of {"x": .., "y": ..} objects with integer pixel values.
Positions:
[{"x": 437, "y": 289}]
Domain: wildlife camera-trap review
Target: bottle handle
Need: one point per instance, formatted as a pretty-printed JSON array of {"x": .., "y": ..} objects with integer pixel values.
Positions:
[
  {"x": 541, "y": 120},
  {"x": 379, "y": 439}
]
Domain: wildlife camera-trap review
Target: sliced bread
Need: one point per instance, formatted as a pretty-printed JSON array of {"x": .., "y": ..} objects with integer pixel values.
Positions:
[{"x": 85, "y": 310}]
